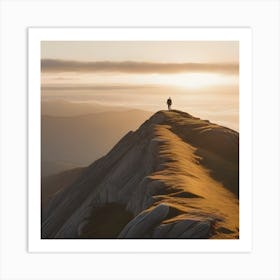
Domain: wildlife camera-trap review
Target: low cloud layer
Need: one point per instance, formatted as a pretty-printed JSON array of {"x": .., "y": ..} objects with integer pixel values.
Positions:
[
  {"x": 96, "y": 87},
  {"x": 133, "y": 67}
]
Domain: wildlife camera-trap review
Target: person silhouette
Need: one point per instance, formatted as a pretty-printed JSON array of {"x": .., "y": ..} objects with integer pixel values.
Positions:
[{"x": 169, "y": 103}]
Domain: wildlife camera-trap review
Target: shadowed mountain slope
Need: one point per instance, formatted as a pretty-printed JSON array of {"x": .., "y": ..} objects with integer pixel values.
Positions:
[
  {"x": 52, "y": 168},
  {"x": 174, "y": 177},
  {"x": 51, "y": 185}
]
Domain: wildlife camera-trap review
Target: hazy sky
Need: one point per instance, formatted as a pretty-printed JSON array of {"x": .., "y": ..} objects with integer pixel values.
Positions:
[
  {"x": 161, "y": 51},
  {"x": 202, "y": 77}
]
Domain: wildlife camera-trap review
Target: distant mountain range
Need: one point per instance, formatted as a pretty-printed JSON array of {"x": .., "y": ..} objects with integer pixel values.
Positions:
[
  {"x": 53, "y": 184},
  {"x": 176, "y": 176},
  {"x": 54, "y": 167},
  {"x": 79, "y": 140},
  {"x": 64, "y": 108}
]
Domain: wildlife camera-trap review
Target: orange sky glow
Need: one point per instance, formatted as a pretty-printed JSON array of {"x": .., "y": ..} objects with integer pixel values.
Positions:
[{"x": 201, "y": 77}]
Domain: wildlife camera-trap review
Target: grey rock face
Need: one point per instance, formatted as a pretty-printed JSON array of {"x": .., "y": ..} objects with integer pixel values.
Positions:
[
  {"x": 199, "y": 230},
  {"x": 144, "y": 222},
  {"x": 162, "y": 230},
  {"x": 179, "y": 228},
  {"x": 183, "y": 229}
]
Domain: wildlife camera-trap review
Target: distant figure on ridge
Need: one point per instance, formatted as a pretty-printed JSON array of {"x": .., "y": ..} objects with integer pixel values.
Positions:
[{"x": 169, "y": 103}]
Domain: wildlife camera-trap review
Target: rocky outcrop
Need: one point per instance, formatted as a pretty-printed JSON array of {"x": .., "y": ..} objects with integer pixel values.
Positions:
[
  {"x": 143, "y": 223},
  {"x": 148, "y": 225}
]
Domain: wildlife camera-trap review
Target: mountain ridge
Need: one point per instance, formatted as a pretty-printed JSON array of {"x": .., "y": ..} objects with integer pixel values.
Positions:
[{"x": 176, "y": 176}]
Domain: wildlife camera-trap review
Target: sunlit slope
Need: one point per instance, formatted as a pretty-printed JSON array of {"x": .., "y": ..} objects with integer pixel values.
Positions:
[
  {"x": 175, "y": 177},
  {"x": 189, "y": 186}
]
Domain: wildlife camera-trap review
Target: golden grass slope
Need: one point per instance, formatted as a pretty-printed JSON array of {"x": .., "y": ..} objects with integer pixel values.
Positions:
[{"x": 191, "y": 189}]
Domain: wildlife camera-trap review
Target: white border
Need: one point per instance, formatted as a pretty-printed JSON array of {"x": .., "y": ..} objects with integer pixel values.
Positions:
[
  {"x": 243, "y": 35},
  {"x": 263, "y": 16}
]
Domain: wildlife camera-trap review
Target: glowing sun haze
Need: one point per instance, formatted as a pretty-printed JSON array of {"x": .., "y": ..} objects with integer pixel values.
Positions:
[{"x": 202, "y": 77}]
